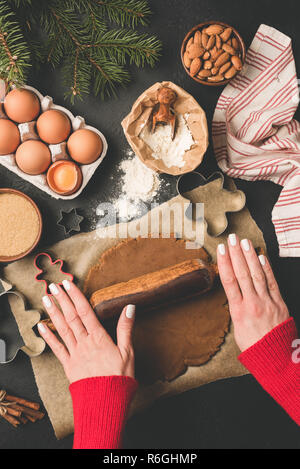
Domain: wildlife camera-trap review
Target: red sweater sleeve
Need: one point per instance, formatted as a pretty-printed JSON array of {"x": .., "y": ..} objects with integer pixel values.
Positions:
[
  {"x": 270, "y": 361},
  {"x": 100, "y": 408}
]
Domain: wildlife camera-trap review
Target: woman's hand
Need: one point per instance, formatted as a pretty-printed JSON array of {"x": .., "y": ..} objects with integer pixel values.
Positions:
[
  {"x": 87, "y": 350},
  {"x": 255, "y": 302}
]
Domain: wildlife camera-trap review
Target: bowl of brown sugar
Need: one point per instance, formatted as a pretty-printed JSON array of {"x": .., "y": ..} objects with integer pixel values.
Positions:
[{"x": 20, "y": 225}]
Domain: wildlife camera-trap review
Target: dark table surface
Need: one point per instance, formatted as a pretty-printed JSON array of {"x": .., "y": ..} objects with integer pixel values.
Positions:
[{"x": 235, "y": 413}]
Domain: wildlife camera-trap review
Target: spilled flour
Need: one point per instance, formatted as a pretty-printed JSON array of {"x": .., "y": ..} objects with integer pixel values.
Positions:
[
  {"x": 171, "y": 152},
  {"x": 139, "y": 186}
]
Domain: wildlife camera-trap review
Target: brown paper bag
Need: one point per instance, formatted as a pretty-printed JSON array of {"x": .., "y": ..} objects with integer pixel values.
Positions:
[
  {"x": 185, "y": 105},
  {"x": 80, "y": 253}
]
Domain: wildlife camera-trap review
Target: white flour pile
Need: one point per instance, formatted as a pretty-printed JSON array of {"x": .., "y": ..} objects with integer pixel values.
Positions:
[
  {"x": 139, "y": 185},
  {"x": 171, "y": 152}
]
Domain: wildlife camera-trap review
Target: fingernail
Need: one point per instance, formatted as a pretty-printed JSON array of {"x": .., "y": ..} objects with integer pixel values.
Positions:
[
  {"x": 66, "y": 285},
  {"x": 222, "y": 249},
  {"x": 262, "y": 260},
  {"x": 232, "y": 239},
  {"x": 47, "y": 301},
  {"x": 130, "y": 311},
  {"x": 245, "y": 245},
  {"x": 41, "y": 327},
  {"x": 53, "y": 288}
]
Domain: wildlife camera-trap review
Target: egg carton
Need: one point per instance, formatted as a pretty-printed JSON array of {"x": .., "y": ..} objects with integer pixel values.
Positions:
[{"x": 40, "y": 180}]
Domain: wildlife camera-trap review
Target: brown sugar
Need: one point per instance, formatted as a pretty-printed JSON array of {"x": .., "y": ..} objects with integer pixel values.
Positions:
[{"x": 19, "y": 225}]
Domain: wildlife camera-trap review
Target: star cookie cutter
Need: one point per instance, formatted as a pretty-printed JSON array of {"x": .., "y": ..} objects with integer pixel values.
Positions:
[
  {"x": 73, "y": 223},
  {"x": 217, "y": 200},
  {"x": 10, "y": 344},
  {"x": 41, "y": 271}
]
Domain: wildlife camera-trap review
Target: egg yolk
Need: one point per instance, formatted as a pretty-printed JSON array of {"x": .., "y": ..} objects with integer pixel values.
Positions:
[{"x": 65, "y": 177}]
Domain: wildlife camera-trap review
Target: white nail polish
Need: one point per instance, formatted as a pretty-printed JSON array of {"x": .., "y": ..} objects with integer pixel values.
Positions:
[
  {"x": 222, "y": 249},
  {"x": 262, "y": 260},
  {"x": 41, "y": 328},
  {"x": 232, "y": 239},
  {"x": 66, "y": 285},
  {"x": 245, "y": 245},
  {"x": 47, "y": 301},
  {"x": 130, "y": 311},
  {"x": 53, "y": 288}
]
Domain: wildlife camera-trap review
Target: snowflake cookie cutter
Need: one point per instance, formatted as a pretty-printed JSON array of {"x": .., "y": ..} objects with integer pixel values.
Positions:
[
  {"x": 16, "y": 333},
  {"x": 217, "y": 200},
  {"x": 41, "y": 271}
]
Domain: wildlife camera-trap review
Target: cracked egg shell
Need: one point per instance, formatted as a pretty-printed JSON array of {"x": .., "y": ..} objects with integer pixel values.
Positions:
[
  {"x": 22, "y": 105},
  {"x": 53, "y": 126},
  {"x": 64, "y": 177},
  {"x": 33, "y": 157}
]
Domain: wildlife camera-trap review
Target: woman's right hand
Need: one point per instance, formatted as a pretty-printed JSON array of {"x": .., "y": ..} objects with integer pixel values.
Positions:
[
  {"x": 255, "y": 302},
  {"x": 86, "y": 350}
]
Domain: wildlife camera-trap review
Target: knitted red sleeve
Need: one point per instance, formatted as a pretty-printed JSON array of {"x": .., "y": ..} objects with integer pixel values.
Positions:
[
  {"x": 100, "y": 408},
  {"x": 275, "y": 363}
]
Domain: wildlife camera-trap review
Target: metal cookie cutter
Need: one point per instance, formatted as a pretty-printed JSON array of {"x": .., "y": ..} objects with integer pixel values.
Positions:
[
  {"x": 217, "y": 200},
  {"x": 59, "y": 262},
  {"x": 11, "y": 341},
  {"x": 70, "y": 221}
]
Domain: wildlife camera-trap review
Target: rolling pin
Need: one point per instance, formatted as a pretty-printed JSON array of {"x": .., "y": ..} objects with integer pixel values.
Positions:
[{"x": 172, "y": 284}]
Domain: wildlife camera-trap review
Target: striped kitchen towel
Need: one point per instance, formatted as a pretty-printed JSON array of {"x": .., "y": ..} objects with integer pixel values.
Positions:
[{"x": 254, "y": 134}]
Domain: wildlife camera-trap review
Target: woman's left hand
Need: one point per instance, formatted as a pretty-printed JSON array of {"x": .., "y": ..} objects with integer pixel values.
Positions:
[{"x": 87, "y": 350}]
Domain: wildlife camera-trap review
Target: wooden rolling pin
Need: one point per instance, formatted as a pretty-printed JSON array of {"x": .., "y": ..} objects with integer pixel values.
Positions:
[{"x": 175, "y": 283}]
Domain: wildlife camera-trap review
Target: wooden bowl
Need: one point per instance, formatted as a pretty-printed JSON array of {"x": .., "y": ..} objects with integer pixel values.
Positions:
[
  {"x": 200, "y": 27},
  {"x": 23, "y": 254}
]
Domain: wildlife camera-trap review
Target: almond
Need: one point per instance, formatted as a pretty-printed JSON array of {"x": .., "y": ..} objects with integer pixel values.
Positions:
[
  {"x": 189, "y": 43},
  {"x": 235, "y": 43},
  {"x": 229, "y": 49},
  {"x": 208, "y": 65},
  {"x": 186, "y": 60},
  {"x": 214, "y": 71},
  {"x": 229, "y": 42},
  {"x": 198, "y": 38},
  {"x": 230, "y": 73},
  {"x": 225, "y": 67},
  {"x": 206, "y": 56},
  {"x": 222, "y": 59},
  {"x": 214, "y": 29},
  {"x": 237, "y": 63},
  {"x": 205, "y": 38},
  {"x": 218, "y": 42},
  {"x": 214, "y": 56},
  {"x": 215, "y": 78},
  {"x": 195, "y": 66},
  {"x": 195, "y": 50},
  {"x": 204, "y": 74},
  {"x": 226, "y": 34},
  {"x": 211, "y": 42}
]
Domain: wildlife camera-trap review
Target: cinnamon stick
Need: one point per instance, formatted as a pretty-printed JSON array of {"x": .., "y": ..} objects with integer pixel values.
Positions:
[
  {"x": 31, "y": 419},
  {"x": 20, "y": 400},
  {"x": 29, "y": 412},
  {"x": 23, "y": 419},
  {"x": 14, "y": 412},
  {"x": 12, "y": 420}
]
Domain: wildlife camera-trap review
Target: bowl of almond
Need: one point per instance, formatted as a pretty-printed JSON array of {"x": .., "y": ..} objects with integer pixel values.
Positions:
[{"x": 213, "y": 53}]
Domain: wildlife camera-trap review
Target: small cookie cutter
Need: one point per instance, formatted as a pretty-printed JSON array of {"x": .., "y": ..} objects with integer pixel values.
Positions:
[
  {"x": 34, "y": 318},
  {"x": 216, "y": 208},
  {"x": 72, "y": 215},
  {"x": 41, "y": 271}
]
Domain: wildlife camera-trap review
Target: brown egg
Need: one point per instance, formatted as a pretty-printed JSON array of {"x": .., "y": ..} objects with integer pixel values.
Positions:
[
  {"x": 53, "y": 126},
  {"x": 33, "y": 157},
  {"x": 22, "y": 105},
  {"x": 85, "y": 146},
  {"x": 9, "y": 137},
  {"x": 64, "y": 177}
]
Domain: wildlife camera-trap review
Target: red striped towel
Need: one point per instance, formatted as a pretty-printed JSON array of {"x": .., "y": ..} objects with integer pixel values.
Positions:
[{"x": 254, "y": 134}]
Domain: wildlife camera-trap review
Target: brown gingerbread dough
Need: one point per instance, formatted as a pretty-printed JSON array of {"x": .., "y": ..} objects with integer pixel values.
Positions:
[{"x": 168, "y": 339}]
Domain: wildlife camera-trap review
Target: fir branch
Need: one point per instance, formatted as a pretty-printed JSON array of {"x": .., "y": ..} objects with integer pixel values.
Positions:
[
  {"x": 14, "y": 52},
  {"x": 126, "y": 12}
]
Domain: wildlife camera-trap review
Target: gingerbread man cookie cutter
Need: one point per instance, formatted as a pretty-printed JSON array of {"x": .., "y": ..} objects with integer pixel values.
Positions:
[
  {"x": 32, "y": 345},
  {"x": 217, "y": 200},
  {"x": 41, "y": 271}
]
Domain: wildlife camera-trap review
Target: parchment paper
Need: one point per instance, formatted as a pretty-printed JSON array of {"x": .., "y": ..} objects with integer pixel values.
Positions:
[
  {"x": 185, "y": 105},
  {"x": 81, "y": 252}
]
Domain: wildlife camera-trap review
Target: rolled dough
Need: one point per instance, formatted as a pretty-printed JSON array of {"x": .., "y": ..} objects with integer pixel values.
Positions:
[{"x": 167, "y": 340}]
